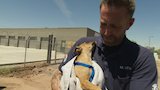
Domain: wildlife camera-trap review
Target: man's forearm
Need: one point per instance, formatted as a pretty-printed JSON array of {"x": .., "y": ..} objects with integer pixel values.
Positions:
[{"x": 55, "y": 81}]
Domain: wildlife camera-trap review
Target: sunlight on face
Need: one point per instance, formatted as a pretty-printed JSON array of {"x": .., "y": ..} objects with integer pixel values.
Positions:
[{"x": 114, "y": 22}]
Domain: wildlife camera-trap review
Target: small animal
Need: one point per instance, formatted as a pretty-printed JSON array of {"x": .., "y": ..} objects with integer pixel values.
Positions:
[
  {"x": 83, "y": 66},
  {"x": 86, "y": 70}
]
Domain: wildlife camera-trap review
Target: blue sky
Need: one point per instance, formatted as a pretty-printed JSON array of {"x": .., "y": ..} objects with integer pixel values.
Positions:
[{"x": 79, "y": 13}]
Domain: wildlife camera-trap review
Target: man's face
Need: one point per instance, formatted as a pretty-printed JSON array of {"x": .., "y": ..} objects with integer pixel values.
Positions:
[{"x": 114, "y": 21}]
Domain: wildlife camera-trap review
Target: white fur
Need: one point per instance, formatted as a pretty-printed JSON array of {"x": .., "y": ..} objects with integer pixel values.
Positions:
[{"x": 69, "y": 80}]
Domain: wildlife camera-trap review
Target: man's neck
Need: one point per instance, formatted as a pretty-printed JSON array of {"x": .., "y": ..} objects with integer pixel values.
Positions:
[{"x": 116, "y": 45}]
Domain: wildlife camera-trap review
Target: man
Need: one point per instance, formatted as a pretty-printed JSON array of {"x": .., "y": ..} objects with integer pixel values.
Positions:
[{"x": 126, "y": 65}]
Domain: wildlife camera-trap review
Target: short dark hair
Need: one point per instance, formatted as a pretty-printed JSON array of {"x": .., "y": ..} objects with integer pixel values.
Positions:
[{"x": 128, "y": 4}]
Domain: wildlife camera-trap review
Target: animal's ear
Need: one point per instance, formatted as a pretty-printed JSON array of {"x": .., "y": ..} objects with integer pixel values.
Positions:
[
  {"x": 94, "y": 43},
  {"x": 78, "y": 49}
]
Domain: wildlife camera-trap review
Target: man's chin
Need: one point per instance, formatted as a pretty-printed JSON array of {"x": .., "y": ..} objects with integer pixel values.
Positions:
[{"x": 108, "y": 43}]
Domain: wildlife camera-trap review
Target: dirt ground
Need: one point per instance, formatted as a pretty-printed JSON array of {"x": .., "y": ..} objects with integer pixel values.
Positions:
[
  {"x": 33, "y": 78},
  {"x": 29, "y": 78}
]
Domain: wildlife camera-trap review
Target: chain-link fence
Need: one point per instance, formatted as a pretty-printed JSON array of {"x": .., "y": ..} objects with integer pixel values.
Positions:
[{"x": 29, "y": 49}]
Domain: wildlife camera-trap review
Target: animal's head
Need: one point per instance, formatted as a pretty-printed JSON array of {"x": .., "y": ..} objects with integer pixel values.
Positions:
[{"x": 85, "y": 47}]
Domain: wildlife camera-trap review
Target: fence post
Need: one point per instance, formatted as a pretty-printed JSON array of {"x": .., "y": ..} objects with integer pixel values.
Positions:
[
  {"x": 25, "y": 55},
  {"x": 28, "y": 44},
  {"x": 0, "y": 40},
  {"x": 55, "y": 49},
  {"x": 49, "y": 49},
  {"x": 18, "y": 42},
  {"x": 40, "y": 46},
  {"x": 54, "y": 43},
  {"x": 8, "y": 41}
]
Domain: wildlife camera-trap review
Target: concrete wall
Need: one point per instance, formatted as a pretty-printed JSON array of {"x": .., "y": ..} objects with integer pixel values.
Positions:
[
  {"x": 90, "y": 33},
  {"x": 65, "y": 37},
  {"x": 61, "y": 33}
]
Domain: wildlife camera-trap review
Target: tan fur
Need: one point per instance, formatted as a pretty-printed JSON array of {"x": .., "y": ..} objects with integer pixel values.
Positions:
[{"x": 83, "y": 73}]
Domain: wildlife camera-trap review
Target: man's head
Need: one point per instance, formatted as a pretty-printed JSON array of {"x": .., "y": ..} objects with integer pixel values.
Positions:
[{"x": 115, "y": 19}]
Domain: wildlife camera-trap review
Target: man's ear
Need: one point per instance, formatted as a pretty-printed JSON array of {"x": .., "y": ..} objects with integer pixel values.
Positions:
[
  {"x": 78, "y": 49},
  {"x": 130, "y": 23}
]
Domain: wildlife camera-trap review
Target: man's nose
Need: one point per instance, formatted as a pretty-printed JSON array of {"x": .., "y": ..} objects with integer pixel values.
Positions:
[{"x": 107, "y": 31}]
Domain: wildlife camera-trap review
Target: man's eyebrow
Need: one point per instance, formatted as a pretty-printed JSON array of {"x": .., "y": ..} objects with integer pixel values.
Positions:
[{"x": 113, "y": 23}]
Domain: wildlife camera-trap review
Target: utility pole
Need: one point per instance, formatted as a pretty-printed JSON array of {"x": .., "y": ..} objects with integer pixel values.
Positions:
[{"x": 149, "y": 41}]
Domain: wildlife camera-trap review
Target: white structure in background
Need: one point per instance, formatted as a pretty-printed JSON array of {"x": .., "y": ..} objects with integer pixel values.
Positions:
[{"x": 156, "y": 56}]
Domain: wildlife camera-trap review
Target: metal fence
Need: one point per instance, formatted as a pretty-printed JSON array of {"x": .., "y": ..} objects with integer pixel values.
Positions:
[{"x": 31, "y": 48}]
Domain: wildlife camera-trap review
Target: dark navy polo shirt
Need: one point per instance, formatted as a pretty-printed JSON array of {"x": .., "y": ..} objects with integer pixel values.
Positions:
[{"x": 127, "y": 66}]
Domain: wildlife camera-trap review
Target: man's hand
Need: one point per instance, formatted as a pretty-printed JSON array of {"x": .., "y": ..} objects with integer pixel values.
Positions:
[{"x": 55, "y": 81}]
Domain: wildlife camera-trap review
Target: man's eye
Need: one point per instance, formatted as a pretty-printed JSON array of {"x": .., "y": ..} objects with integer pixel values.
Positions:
[
  {"x": 104, "y": 24},
  {"x": 116, "y": 26}
]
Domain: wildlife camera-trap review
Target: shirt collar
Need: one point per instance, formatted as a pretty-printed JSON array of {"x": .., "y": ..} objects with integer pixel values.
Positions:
[{"x": 101, "y": 45}]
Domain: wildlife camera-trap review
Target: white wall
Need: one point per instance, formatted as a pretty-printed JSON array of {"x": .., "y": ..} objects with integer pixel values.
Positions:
[{"x": 156, "y": 56}]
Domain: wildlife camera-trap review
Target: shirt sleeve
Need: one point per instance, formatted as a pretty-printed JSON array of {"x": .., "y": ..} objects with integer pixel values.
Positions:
[{"x": 144, "y": 75}]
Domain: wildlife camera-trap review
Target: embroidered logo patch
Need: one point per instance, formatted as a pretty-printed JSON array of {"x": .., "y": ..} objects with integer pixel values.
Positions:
[{"x": 125, "y": 67}]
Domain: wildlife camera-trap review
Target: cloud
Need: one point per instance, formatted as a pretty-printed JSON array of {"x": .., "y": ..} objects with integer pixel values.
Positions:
[{"x": 63, "y": 7}]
